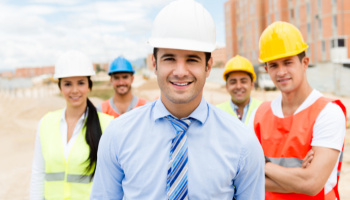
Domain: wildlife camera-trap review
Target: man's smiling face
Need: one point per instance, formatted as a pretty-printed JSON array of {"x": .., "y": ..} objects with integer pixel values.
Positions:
[
  {"x": 181, "y": 74},
  {"x": 287, "y": 73}
]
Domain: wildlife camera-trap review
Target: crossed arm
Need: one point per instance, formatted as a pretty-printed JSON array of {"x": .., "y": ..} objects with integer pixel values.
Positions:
[{"x": 308, "y": 179}]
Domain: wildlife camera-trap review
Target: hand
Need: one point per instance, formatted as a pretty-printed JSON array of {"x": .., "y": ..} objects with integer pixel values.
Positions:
[{"x": 308, "y": 158}]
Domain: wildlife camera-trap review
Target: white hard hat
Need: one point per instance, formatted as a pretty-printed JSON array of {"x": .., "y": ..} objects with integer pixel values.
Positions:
[
  {"x": 186, "y": 25},
  {"x": 73, "y": 63}
]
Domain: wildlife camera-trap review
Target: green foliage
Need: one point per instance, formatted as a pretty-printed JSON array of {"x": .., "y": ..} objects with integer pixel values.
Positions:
[
  {"x": 102, "y": 93},
  {"x": 99, "y": 68}
]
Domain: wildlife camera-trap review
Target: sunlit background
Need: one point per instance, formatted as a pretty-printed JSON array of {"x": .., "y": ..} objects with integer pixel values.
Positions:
[{"x": 34, "y": 33}]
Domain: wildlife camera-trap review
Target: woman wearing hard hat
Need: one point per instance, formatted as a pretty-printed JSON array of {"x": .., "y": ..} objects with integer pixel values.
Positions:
[{"x": 67, "y": 139}]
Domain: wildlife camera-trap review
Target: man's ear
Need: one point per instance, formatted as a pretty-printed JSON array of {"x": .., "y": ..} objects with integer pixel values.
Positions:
[
  {"x": 209, "y": 65},
  {"x": 154, "y": 64},
  {"x": 305, "y": 62}
]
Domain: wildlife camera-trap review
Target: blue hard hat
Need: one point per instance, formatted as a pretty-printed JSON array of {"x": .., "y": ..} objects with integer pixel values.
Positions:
[{"x": 120, "y": 64}]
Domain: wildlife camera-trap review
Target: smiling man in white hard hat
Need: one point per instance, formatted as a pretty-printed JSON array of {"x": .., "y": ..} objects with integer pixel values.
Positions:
[{"x": 180, "y": 146}]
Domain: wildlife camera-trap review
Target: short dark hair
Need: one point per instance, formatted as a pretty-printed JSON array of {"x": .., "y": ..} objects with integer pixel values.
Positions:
[
  {"x": 249, "y": 74},
  {"x": 111, "y": 74},
  {"x": 301, "y": 56},
  {"x": 207, "y": 55}
]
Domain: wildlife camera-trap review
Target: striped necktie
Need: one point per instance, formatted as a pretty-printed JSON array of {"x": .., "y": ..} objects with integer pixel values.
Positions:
[{"x": 177, "y": 167}]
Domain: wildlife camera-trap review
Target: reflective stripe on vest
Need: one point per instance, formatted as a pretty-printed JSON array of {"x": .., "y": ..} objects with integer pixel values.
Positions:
[
  {"x": 108, "y": 109},
  {"x": 66, "y": 179},
  {"x": 59, "y": 176},
  {"x": 287, "y": 162},
  {"x": 72, "y": 178},
  {"x": 226, "y": 106},
  {"x": 286, "y": 141}
]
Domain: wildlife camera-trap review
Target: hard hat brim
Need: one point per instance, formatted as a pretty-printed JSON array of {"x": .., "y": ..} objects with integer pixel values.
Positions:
[
  {"x": 181, "y": 44},
  {"x": 240, "y": 70},
  {"x": 293, "y": 53},
  {"x": 121, "y": 71},
  {"x": 73, "y": 75}
]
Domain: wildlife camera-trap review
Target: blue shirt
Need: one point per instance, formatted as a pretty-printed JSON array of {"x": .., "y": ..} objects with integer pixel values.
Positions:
[
  {"x": 225, "y": 158},
  {"x": 245, "y": 109}
]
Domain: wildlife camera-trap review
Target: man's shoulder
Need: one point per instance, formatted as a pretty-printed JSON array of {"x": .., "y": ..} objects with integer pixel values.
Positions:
[
  {"x": 331, "y": 111},
  {"x": 129, "y": 122},
  {"x": 138, "y": 113}
]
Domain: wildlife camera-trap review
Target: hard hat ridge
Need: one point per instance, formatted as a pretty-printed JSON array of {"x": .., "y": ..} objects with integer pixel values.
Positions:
[
  {"x": 186, "y": 25},
  {"x": 239, "y": 64},
  {"x": 73, "y": 63},
  {"x": 120, "y": 64},
  {"x": 280, "y": 40}
]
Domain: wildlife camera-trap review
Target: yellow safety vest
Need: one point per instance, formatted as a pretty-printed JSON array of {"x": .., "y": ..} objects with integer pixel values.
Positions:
[
  {"x": 253, "y": 105},
  {"x": 66, "y": 179}
]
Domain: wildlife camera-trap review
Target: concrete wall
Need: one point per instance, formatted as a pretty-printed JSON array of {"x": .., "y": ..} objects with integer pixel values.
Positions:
[
  {"x": 342, "y": 81},
  {"x": 330, "y": 77}
]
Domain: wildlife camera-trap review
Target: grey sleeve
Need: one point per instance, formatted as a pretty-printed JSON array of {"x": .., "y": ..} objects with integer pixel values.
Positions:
[{"x": 99, "y": 108}]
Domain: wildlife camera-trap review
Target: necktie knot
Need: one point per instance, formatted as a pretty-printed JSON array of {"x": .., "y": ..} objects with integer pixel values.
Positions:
[{"x": 180, "y": 125}]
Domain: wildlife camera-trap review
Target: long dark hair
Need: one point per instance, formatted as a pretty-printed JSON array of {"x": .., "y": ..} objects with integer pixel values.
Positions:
[{"x": 93, "y": 131}]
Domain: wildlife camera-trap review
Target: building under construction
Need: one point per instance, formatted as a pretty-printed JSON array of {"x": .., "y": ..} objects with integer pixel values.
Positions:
[{"x": 322, "y": 23}]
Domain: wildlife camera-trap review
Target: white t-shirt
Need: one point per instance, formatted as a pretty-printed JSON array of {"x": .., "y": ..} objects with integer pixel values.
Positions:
[
  {"x": 37, "y": 181},
  {"x": 328, "y": 131}
]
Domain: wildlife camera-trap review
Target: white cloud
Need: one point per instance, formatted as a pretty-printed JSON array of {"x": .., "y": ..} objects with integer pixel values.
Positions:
[
  {"x": 60, "y": 2},
  {"x": 36, "y": 34}
]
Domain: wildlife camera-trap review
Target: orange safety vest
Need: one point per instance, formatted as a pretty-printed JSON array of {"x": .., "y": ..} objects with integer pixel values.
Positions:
[
  {"x": 107, "y": 108},
  {"x": 287, "y": 141}
]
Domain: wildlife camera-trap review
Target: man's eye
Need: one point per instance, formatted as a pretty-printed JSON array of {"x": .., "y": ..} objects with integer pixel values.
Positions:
[
  {"x": 169, "y": 59},
  {"x": 67, "y": 84},
  {"x": 81, "y": 83},
  {"x": 192, "y": 60}
]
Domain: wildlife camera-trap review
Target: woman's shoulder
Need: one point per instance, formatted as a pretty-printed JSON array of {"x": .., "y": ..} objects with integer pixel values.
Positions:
[{"x": 53, "y": 114}]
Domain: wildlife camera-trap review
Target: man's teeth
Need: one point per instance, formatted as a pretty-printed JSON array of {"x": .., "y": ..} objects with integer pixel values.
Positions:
[
  {"x": 181, "y": 84},
  {"x": 75, "y": 97}
]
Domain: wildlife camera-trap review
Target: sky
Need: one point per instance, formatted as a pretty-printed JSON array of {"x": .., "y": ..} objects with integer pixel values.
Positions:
[{"x": 35, "y": 33}]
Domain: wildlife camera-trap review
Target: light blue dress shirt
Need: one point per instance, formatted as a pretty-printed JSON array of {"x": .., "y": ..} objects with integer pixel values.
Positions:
[
  {"x": 225, "y": 158},
  {"x": 245, "y": 109}
]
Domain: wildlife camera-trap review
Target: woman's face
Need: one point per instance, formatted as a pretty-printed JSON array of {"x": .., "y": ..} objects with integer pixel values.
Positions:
[{"x": 75, "y": 90}]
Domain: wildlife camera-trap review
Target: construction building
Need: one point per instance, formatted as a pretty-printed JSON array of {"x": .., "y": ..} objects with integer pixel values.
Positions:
[
  {"x": 34, "y": 71},
  {"x": 321, "y": 22},
  {"x": 219, "y": 57}
]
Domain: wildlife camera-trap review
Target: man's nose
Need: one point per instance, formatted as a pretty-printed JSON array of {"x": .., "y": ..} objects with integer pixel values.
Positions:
[
  {"x": 181, "y": 69},
  {"x": 281, "y": 71}
]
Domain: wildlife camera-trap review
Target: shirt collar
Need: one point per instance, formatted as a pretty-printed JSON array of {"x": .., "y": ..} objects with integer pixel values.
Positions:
[
  {"x": 200, "y": 113},
  {"x": 246, "y": 106},
  {"x": 81, "y": 119}
]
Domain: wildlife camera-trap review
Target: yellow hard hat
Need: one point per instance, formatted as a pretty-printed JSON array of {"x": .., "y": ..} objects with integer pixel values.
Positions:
[
  {"x": 280, "y": 40},
  {"x": 239, "y": 64}
]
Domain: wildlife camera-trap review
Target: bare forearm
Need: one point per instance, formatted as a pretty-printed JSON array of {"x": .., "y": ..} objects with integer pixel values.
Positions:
[
  {"x": 272, "y": 186},
  {"x": 291, "y": 179}
]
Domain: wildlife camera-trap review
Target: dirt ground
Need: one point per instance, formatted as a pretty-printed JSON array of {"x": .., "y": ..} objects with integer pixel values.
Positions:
[{"x": 19, "y": 119}]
